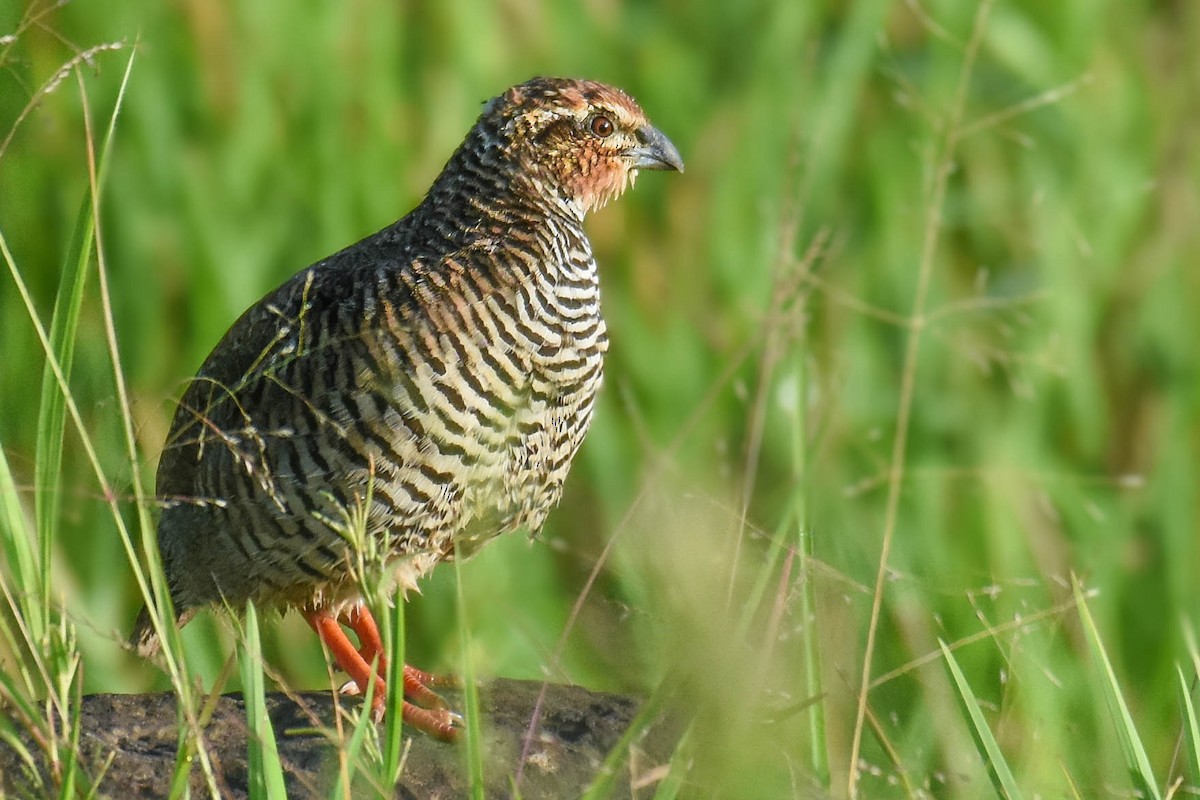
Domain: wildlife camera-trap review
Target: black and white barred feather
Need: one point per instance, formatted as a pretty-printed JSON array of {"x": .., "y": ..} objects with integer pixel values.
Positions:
[{"x": 419, "y": 392}]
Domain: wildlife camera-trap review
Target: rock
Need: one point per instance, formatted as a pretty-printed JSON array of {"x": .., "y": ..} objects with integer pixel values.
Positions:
[{"x": 577, "y": 731}]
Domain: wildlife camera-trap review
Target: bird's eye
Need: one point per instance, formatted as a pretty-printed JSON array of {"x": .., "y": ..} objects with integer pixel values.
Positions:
[{"x": 601, "y": 126}]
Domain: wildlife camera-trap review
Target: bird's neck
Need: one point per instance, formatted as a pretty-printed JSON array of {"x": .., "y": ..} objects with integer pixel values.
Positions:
[{"x": 480, "y": 193}]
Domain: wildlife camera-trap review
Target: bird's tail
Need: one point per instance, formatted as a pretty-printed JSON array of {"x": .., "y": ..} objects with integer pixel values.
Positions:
[{"x": 144, "y": 639}]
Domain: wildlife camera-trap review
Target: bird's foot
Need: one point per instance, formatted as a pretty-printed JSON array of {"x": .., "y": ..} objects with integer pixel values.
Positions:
[
  {"x": 418, "y": 687},
  {"x": 441, "y": 723},
  {"x": 429, "y": 713},
  {"x": 428, "y": 710},
  {"x": 424, "y": 709}
]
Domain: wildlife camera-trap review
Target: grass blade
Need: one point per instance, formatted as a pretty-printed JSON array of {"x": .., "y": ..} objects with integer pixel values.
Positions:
[
  {"x": 602, "y": 785},
  {"x": 1192, "y": 730},
  {"x": 52, "y": 412},
  {"x": 670, "y": 786},
  {"x": 989, "y": 750},
  {"x": 17, "y": 539},
  {"x": 393, "y": 741},
  {"x": 64, "y": 323},
  {"x": 344, "y": 787},
  {"x": 474, "y": 748},
  {"x": 264, "y": 770},
  {"x": 818, "y": 749},
  {"x": 1136, "y": 759},
  {"x": 45, "y": 640}
]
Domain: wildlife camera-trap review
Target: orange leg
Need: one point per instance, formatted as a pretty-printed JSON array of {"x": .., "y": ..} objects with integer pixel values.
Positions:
[
  {"x": 359, "y": 619},
  {"x": 417, "y": 683},
  {"x": 435, "y": 718}
]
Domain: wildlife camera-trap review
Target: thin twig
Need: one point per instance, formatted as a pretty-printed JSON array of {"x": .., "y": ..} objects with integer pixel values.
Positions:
[
  {"x": 908, "y": 380},
  {"x": 52, "y": 83},
  {"x": 1046, "y": 98}
]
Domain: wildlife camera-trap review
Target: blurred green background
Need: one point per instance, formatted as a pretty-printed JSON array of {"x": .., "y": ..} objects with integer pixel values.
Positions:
[{"x": 752, "y": 392}]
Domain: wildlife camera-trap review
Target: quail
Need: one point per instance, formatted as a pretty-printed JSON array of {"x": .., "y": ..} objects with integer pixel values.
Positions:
[{"x": 413, "y": 395}]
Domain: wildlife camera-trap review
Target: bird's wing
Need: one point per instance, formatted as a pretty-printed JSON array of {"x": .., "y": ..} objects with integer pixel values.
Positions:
[{"x": 281, "y": 343}]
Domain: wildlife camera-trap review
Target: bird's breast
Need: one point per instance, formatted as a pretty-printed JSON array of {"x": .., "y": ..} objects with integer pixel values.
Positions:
[{"x": 507, "y": 404}]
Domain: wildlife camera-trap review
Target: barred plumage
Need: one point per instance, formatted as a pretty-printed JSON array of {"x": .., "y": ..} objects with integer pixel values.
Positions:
[{"x": 429, "y": 384}]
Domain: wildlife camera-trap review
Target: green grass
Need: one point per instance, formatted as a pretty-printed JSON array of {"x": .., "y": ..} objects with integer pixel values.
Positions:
[
  {"x": 1003, "y": 781},
  {"x": 907, "y": 348},
  {"x": 262, "y": 757}
]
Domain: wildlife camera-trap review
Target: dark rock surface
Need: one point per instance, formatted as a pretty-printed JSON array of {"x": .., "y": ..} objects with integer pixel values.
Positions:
[{"x": 577, "y": 731}]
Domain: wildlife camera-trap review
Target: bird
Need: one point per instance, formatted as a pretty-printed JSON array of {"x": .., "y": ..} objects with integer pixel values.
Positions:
[{"x": 411, "y": 396}]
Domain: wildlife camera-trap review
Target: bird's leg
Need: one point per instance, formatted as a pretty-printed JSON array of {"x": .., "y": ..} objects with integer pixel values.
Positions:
[
  {"x": 359, "y": 619},
  {"x": 439, "y": 722},
  {"x": 347, "y": 657}
]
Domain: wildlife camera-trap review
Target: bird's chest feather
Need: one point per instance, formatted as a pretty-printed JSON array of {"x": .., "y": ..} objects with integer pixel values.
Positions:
[
  {"x": 562, "y": 353},
  {"x": 488, "y": 405}
]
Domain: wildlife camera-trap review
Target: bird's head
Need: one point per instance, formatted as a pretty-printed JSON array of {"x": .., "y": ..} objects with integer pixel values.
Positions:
[{"x": 581, "y": 140}]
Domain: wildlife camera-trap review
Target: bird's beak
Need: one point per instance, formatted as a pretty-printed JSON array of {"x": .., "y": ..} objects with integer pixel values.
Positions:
[{"x": 654, "y": 151}]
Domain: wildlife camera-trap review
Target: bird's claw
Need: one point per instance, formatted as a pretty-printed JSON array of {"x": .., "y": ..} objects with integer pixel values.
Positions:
[{"x": 430, "y": 713}]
